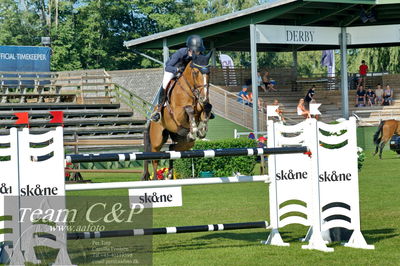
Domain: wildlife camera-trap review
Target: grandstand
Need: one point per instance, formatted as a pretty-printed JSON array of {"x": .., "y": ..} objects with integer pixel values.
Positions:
[
  {"x": 89, "y": 99},
  {"x": 226, "y": 85}
]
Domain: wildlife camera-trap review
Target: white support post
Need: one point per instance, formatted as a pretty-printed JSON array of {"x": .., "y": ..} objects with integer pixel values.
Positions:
[
  {"x": 314, "y": 235},
  {"x": 165, "y": 51},
  {"x": 343, "y": 73},
  {"x": 214, "y": 51},
  {"x": 254, "y": 85}
]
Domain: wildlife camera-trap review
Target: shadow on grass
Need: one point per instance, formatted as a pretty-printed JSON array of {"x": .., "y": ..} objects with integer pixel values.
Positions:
[
  {"x": 198, "y": 246},
  {"x": 250, "y": 237},
  {"x": 376, "y": 235}
]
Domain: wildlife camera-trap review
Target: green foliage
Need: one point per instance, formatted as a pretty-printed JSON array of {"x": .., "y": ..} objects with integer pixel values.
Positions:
[
  {"x": 90, "y": 34},
  {"x": 361, "y": 158},
  {"x": 221, "y": 166}
]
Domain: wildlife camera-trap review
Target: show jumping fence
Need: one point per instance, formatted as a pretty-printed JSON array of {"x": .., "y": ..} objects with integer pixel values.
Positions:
[{"x": 326, "y": 193}]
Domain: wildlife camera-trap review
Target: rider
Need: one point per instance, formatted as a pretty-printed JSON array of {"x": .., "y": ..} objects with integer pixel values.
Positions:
[{"x": 175, "y": 65}]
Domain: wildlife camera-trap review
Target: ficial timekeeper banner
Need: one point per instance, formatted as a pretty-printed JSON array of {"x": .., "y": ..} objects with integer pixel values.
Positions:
[{"x": 24, "y": 59}]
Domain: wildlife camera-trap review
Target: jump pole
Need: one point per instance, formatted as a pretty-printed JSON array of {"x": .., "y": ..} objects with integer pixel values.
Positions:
[
  {"x": 172, "y": 155},
  {"x": 168, "y": 183},
  {"x": 166, "y": 230}
]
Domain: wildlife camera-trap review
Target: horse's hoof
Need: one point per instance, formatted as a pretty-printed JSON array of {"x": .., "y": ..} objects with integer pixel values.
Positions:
[
  {"x": 191, "y": 137},
  {"x": 201, "y": 134},
  {"x": 146, "y": 177}
]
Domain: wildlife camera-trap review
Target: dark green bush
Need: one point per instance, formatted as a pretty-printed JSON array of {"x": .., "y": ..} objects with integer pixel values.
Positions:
[{"x": 221, "y": 166}]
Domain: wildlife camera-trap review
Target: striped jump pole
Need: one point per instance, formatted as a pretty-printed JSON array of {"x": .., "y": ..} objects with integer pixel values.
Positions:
[
  {"x": 172, "y": 155},
  {"x": 166, "y": 230},
  {"x": 168, "y": 183}
]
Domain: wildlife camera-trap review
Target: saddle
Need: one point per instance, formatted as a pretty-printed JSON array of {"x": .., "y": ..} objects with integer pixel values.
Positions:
[{"x": 169, "y": 89}]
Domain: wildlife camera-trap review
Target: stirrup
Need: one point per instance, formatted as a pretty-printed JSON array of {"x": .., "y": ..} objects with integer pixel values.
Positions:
[{"x": 156, "y": 116}]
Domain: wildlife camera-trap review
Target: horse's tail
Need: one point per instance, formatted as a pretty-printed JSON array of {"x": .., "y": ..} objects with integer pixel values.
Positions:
[{"x": 378, "y": 135}]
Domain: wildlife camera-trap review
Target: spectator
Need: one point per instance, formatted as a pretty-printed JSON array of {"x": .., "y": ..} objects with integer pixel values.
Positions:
[
  {"x": 261, "y": 142},
  {"x": 363, "y": 70},
  {"x": 387, "y": 95},
  {"x": 370, "y": 97},
  {"x": 261, "y": 159},
  {"x": 309, "y": 97},
  {"x": 251, "y": 135},
  {"x": 260, "y": 82},
  {"x": 379, "y": 94},
  {"x": 268, "y": 83},
  {"x": 301, "y": 110},
  {"x": 360, "y": 99},
  {"x": 279, "y": 111},
  {"x": 250, "y": 96},
  {"x": 243, "y": 96}
]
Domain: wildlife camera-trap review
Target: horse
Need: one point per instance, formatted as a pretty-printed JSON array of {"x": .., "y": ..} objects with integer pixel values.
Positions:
[
  {"x": 385, "y": 131},
  {"x": 185, "y": 116}
]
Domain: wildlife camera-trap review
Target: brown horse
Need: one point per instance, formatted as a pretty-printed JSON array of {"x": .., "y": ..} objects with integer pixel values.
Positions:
[
  {"x": 186, "y": 115},
  {"x": 385, "y": 131}
]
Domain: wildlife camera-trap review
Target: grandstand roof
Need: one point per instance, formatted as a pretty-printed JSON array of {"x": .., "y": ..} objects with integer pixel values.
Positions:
[{"x": 231, "y": 32}]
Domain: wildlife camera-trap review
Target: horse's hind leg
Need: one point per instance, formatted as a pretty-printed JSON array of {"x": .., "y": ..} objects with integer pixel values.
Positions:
[
  {"x": 381, "y": 149},
  {"x": 376, "y": 149},
  {"x": 382, "y": 145}
]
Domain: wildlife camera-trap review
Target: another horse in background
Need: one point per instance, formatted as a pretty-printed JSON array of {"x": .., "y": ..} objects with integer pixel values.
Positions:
[
  {"x": 186, "y": 114},
  {"x": 384, "y": 133}
]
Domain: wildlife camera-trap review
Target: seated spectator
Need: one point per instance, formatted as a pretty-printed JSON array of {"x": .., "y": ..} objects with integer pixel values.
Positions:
[
  {"x": 360, "y": 99},
  {"x": 250, "y": 96},
  {"x": 243, "y": 96},
  {"x": 260, "y": 82},
  {"x": 279, "y": 111},
  {"x": 379, "y": 94},
  {"x": 370, "y": 97},
  {"x": 301, "y": 109},
  {"x": 268, "y": 83},
  {"x": 387, "y": 95}
]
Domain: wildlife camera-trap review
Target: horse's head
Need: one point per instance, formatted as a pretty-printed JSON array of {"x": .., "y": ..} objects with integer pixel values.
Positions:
[{"x": 200, "y": 71}]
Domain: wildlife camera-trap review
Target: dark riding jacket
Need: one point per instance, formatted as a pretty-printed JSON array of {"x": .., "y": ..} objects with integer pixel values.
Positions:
[{"x": 178, "y": 61}]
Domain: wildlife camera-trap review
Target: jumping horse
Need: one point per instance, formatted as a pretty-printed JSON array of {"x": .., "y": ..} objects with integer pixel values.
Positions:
[
  {"x": 186, "y": 114},
  {"x": 385, "y": 131}
]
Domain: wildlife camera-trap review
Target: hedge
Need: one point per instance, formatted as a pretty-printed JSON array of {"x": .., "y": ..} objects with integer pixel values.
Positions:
[{"x": 221, "y": 166}]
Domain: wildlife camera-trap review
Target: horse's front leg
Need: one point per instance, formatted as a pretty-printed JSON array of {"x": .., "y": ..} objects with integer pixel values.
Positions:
[
  {"x": 192, "y": 122},
  {"x": 204, "y": 117}
]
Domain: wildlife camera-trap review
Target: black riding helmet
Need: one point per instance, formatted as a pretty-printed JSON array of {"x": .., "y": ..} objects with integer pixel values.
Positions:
[{"x": 195, "y": 43}]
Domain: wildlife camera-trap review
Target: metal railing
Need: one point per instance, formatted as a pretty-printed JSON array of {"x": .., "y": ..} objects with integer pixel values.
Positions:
[
  {"x": 379, "y": 115},
  {"x": 226, "y": 105},
  {"x": 132, "y": 100}
]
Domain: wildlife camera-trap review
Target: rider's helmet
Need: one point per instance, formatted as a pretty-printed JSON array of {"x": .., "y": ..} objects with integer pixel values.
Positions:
[{"x": 195, "y": 43}]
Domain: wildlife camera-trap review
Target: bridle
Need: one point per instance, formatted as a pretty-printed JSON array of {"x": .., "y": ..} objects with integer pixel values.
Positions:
[{"x": 196, "y": 89}]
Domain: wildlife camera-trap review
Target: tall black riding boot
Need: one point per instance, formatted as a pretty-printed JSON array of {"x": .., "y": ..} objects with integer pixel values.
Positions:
[{"x": 161, "y": 100}]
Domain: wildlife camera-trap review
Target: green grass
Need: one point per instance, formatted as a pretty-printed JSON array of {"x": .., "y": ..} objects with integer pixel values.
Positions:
[{"x": 220, "y": 128}]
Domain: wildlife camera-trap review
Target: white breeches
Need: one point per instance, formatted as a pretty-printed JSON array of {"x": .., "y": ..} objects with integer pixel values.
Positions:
[{"x": 167, "y": 78}]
